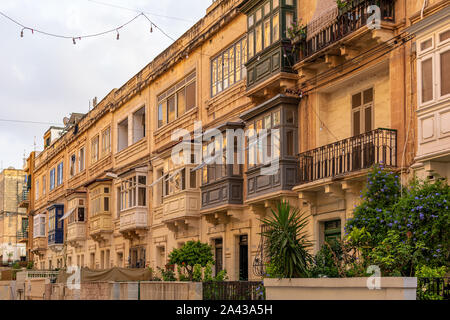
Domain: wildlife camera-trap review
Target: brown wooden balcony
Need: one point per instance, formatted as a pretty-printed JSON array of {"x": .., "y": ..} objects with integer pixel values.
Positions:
[
  {"x": 349, "y": 155},
  {"x": 76, "y": 233},
  {"x": 100, "y": 225},
  {"x": 348, "y": 21},
  {"x": 133, "y": 222},
  {"x": 181, "y": 206},
  {"x": 39, "y": 244}
]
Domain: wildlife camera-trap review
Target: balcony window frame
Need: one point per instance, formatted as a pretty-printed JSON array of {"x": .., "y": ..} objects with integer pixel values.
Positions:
[
  {"x": 95, "y": 149},
  {"x": 135, "y": 115},
  {"x": 253, "y": 124},
  {"x": 434, "y": 53},
  {"x": 81, "y": 159},
  {"x": 361, "y": 109},
  {"x": 241, "y": 70},
  {"x": 99, "y": 194},
  {"x": 73, "y": 163},
  {"x": 162, "y": 106},
  {"x": 79, "y": 205},
  {"x": 106, "y": 141},
  {"x": 52, "y": 179},
  {"x": 280, "y": 9},
  {"x": 131, "y": 185},
  {"x": 60, "y": 174},
  {"x": 39, "y": 225}
]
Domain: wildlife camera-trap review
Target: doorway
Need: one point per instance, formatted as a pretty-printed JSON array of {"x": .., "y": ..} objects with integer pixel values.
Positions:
[{"x": 243, "y": 258}]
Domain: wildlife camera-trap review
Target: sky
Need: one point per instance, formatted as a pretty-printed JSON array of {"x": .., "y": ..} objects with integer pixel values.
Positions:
[{"x": 43, "y": 79}]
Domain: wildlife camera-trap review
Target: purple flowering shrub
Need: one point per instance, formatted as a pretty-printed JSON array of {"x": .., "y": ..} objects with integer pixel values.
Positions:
[{"x": 408, "y": 228}]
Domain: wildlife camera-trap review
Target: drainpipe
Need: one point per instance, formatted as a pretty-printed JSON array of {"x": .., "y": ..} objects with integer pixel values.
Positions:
[{"x": 139, "y": 290}]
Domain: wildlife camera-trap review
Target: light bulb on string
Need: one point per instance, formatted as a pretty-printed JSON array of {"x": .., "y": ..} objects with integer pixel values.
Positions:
[
  {"x": 74, "y": 42},
  {"x": 21, "y": 33},
  {"x": 151, "y": 28},
  {"x": 118, "y": 36}
]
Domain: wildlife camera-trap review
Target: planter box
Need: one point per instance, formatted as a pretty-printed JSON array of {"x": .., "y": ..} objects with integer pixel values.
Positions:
[{"x": 391, "y": 288}]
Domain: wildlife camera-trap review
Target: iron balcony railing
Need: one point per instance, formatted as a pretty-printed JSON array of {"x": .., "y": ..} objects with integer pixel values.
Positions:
[
  {"x": 356, "y": 153},
  {"x": 22, "y": 235},
  {"x": 348, "y": 20},
  {"x": 24, "y": 196},
  {"x": 433, "y": 288}
]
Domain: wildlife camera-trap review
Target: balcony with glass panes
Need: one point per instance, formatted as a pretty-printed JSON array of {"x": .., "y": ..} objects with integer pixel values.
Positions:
[
  {"x": 100, "y": 217},
  {"x": 133, "y": 203},
  {"x": 222, "y": 181},
  {"x": 271, "y": 55},
  {"x": 272, "y": 146},
  {"x": 55, "y": 226},
  {"x": 76, "y": 221},
  {"x": 181, "y": 194}
]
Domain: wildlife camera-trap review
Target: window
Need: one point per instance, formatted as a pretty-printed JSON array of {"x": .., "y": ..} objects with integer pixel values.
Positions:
[
  {"x": 362, "y": 111},
  {"x": 60, "y": 177},
  {"x": 177, "y": 100},
  {"x": 37, "y": 189},
  {"x": 52, "y": 179},
  {"x": 255, "y": 142},
  {"x": 39, "y": 226},
  {"x": 434, "y": 68},
  {"x": 106, "y": 141},
  {"x": 52, "y": 220},
  {"x": 99, "y": 200},
  {"x": 44, "y": 184},
  {"x": 229, "y": 67},
  {"x": 73, "y": 161},
  {"x": 122, "y": 135},
  {"x": 79, "y": 211},
  {"x": 133, "y": 192},
  {"x": 95, "y": 149},
  {"x": 81, "y": 160},
  {"x": 264, "y": 26},
  {"x": 139, "y": 125}
]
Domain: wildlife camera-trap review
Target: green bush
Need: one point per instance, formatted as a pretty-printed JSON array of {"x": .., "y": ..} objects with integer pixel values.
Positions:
[
  {"x": 406, "y": 227},
  {"x": 190, "y": 254},
  {"x": 288, "y": 242}
]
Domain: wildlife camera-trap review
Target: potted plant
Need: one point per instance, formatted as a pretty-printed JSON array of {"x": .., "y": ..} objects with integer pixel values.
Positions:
[
  {"x": 343, "y": 6},
  {"x": 296, "y": 32}
]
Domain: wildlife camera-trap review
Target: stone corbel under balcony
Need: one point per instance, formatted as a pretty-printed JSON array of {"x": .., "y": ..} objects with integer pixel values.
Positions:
[
  {"x": 223, "y": 214},
  {"x": 133, "y": 223}
]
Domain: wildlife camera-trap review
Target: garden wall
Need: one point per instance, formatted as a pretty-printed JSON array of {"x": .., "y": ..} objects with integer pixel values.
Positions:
[{"x": 340, "y": 289}]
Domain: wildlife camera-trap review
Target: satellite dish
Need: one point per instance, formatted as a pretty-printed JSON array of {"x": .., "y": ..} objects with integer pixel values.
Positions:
[{"x": 66, "y": 121}]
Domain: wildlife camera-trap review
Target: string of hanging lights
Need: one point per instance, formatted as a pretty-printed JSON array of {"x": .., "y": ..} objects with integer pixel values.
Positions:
[{"x": 77, "y": 38}]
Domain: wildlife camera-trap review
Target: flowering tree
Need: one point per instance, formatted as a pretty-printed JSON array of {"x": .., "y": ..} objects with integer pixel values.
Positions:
[
  {"x": 407, "y": 228},
  {"x": 192, "y": 253}
]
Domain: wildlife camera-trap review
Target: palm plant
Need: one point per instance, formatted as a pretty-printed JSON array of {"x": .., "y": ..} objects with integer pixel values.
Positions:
[{"x": 287, "y": 242}]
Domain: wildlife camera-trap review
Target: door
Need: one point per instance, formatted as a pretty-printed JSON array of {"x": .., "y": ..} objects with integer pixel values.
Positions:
[
  {"x": 219, "y": 255},
  {"x": 243, "y": 258}
]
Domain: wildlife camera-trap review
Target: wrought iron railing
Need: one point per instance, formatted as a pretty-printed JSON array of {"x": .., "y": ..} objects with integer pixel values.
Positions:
[
  {"x": 348, "y": 20},
  {"x": 22, "y": 235},
  {"x": 24, "y": 196},
  {"x": 261, "y": 259},
  {"x": 233, "y": 290},
  {"x": 433, "y": 288},
  {"x": 353, "y": 154}
]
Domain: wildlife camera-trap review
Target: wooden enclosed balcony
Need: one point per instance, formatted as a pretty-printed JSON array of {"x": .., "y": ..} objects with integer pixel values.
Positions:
[
  {"x": 76, "y": 233},
  {"x": 100, "y": 225},
  {"x": 349, "y": 155},
  {"x": 183, "y": 205},
  {"x": 133, "y": 222},
  {"x": 39, "y": 244}
]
